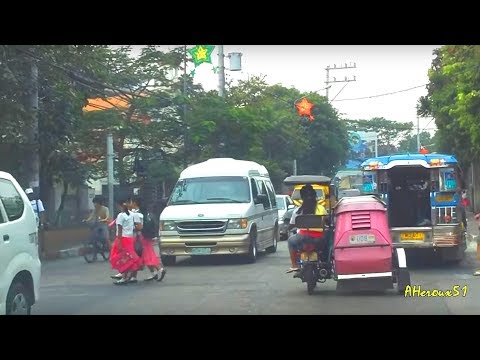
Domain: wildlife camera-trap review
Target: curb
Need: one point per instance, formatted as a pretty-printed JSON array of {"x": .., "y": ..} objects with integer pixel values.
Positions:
[{"x": 63, "y": 254}]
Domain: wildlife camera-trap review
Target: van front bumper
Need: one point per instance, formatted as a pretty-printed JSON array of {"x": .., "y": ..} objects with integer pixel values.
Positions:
[{"x": 218, "y": 245}]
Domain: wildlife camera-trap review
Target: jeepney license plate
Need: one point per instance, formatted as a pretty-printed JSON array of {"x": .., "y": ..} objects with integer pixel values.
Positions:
[
  {"x": 309, "y": 256},
  {"x": 201, "y": 251},
  {"x": 444, "y": 198},
  {"x": 412, "y": 236},
  {"x": 362, "y": 239}
]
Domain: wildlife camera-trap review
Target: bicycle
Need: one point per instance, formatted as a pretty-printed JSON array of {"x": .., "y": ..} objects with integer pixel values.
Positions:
[{"x": 96, "y": 244}]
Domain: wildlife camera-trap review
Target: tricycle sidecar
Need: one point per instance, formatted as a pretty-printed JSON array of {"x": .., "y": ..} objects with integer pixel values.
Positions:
[{"x": 363, "y": 252}]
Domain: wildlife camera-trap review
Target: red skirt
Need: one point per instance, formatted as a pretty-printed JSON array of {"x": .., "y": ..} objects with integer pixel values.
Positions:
[
  {"x": 124, "y": 259},
  {"x": 149, "y": 256}
]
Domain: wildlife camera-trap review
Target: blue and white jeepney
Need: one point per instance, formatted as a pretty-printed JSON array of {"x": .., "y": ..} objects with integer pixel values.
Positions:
[{"x": 421, "y": 195}]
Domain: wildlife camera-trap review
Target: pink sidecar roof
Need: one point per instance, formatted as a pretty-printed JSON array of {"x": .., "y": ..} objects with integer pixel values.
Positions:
[{"x": 360, "y": 203}]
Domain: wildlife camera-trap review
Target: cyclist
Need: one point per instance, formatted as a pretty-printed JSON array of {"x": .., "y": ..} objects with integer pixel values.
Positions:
[{"x": 100, "y": 217}]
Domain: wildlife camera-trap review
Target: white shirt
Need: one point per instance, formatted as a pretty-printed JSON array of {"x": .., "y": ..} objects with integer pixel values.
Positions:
[
  {"x": 126, "y": 222},
  {"x": 137, "y": 216},
  {"x": 37, "y": 206}
]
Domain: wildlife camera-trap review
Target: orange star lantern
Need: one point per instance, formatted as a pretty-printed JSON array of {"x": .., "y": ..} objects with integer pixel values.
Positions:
[
  {"x": 304, "y": 108},
  {"x": 423, "y": 150}
]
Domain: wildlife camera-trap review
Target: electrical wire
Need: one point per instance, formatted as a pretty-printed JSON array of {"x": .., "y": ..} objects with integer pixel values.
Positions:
[{"x": 390, "y": 93}]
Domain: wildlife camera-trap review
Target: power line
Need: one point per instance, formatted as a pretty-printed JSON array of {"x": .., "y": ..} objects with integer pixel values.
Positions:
[{"x": 390, "y": 93}]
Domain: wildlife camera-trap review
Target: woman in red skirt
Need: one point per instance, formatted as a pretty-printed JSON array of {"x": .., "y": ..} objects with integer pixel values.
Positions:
[
  {"x": 125, "y": 259},
  {"x": 149, "y": 258}
]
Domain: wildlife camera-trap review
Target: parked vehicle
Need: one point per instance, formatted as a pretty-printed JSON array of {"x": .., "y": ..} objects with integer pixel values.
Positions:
[
  {"x": 420, "y": 193},
  {"x": 355, "y": 248},
  {"x": 218, "y": 207},
  {"x": 20, "y": 266},
  {"x": 284, "y": 203}
]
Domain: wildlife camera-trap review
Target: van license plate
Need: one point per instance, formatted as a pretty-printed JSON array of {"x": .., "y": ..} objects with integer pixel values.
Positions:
[
  {"x": 412, "y": 236},
  {"x": 201, "y": 251},
  {"x": 362, "y": 239}
]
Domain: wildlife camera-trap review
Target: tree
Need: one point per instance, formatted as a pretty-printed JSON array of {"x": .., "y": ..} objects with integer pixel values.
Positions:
[
  {"x": 389, "y": 132},
  {"x": 409, "y": 144},
  {"x": 453, "y": 99},
  {"x": 141, "y": 109}
]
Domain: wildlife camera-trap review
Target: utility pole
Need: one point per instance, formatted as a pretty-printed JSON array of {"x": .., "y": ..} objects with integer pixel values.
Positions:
[
  {"x": 335, "y": 67},
  {"x": 418, "y": 134},
  {"x": 221, "y": 71},
  {"x": 33, "y": 157},
  {"x": 185, "y": 127},
  {"x": 295, "y": 167},
  {"x": 110, "y": 157}
]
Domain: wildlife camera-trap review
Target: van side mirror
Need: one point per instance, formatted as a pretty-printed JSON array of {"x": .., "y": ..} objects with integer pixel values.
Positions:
[
  {"x": 261, "y": 199},
  {"x": 290, "y": 207}
]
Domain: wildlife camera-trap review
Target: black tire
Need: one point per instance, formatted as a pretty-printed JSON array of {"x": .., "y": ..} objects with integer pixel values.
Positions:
[
  {"x": 310, "y": 278},
  {"x": 251, "y": 257},
  {"x": 169, "y": 260},
  {"x": 90, "y": 252},
  {"x": 403, "y": 280},
  {"x": 273, "y": 249},
  {"x": 18, "y": 300}
]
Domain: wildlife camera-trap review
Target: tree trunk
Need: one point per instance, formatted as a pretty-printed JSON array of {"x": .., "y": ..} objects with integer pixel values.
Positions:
[{"x": 58, "y": 215}]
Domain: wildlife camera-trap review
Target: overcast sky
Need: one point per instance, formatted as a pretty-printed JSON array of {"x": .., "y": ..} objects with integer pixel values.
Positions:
[{"x": 379, "y": 69}]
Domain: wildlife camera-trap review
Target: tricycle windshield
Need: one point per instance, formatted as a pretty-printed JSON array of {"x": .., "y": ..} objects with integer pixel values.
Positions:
[{"x": 296, "y": 194}]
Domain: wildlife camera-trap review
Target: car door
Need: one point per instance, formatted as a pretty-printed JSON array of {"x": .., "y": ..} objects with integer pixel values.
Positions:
[
  {"x": 263, "y": 232},
  {"x": 271, "y": 218},
  {"x": 258, "y": 210}
]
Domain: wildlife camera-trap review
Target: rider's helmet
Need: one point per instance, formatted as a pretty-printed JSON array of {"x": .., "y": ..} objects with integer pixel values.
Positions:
[{"x": 307, "y": 192}]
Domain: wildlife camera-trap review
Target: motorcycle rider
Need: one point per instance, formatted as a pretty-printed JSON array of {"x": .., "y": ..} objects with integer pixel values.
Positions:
[{"x": 296, "y": 241}]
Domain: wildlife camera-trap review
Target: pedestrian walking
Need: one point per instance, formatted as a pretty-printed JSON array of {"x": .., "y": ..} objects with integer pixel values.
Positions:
[
  {"x": 125, "y": 259},
  {"x": 39, "y": 210}
]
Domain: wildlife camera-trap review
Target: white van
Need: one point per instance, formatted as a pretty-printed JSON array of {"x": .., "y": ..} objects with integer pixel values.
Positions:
[
  {"x": 20, "y": 266},
  {"x": 218, "y": 207}
]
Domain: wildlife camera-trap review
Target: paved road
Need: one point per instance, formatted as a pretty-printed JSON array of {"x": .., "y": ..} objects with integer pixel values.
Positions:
[{"x": 225, "y": 286}]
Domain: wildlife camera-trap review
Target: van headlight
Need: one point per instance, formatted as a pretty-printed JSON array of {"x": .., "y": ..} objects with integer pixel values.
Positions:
[
  {"x": 237, "y": 223},
  {"x": 168, "y": 225}
]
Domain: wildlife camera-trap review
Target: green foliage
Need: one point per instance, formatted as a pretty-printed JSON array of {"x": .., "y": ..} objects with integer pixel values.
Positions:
[
  {"x": 454, "y": 100},
  {"x": 409, "y": 144}
]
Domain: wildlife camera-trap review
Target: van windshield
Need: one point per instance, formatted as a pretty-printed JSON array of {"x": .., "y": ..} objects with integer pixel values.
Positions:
[{"x": 211, "y": 190}]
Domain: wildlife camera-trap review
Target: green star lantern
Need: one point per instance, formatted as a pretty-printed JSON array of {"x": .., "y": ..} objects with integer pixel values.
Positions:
[{"x": 201, "y": 54}]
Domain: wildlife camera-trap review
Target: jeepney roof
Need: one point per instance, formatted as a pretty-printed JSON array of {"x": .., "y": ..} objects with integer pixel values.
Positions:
[{"x": 425, "y": 160}]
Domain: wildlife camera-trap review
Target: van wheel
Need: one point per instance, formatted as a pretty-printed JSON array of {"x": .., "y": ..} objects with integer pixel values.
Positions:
[
  {"x": 251, "y": 257},
  {"x": 169, "y": 260},
  {"x": 273, "y": 248},
  {"x": 18, "y": 300}
]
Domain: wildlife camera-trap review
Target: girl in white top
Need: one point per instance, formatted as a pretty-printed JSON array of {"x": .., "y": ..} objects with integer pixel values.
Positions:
[{"x": 124, "y": 241}]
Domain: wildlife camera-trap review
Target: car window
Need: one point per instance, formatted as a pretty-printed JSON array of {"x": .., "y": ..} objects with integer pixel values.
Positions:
[
  {"x": 11, "y": 200},
  {"x": 263, "y": 190},
  {"x": 280, "y": 203},
  {"x": 271, "y": 194},
  {"x": 254, "y": 189}
]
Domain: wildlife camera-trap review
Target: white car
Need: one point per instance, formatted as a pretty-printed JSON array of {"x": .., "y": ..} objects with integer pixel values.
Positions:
[
  {"x": 284, "y": 203},
  {"x": 20, "y": 266}
]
